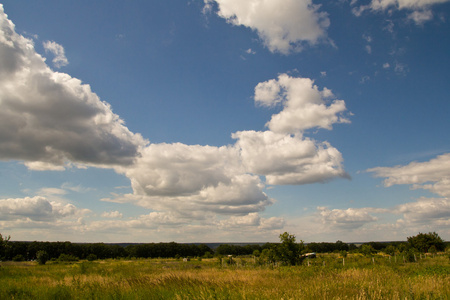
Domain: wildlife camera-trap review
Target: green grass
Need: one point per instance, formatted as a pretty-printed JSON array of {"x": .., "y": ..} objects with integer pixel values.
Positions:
[{"x": 325, "y": 278}]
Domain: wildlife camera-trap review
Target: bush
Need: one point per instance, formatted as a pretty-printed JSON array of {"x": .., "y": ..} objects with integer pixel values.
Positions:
[
  {"x": 18, "y": 257},
  {"x": 42, "y": 257},
  {"x": 424, "y": 241},
  {"x": 410, "y": 255},
  {"x": 91, "y": 257},
  {"x": 67, "y": 257}
]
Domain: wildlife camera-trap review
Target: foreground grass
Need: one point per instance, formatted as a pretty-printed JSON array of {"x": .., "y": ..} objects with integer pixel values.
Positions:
[{"x": 324, "y": 278}]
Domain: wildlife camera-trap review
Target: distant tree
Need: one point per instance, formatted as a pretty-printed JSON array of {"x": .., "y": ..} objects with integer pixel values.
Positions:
[
  {"x": 3, "y": 245},
  {"x": 390, "y": 250},
  {"x": 423, "y": 241},
  {"x": 288, "y": 252},
  {"x": 367, "y": 249},
  {"x": 268, "y": 255},
  {"x": 42, "y": 257},
  {"x": 67, "y": 258}
]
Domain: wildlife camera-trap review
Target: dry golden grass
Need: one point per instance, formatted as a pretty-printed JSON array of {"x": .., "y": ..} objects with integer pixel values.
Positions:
[{"x": 170, "y": 279}]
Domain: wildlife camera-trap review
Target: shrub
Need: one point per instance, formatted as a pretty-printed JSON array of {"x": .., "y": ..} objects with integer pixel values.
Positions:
[
  {"x": 424, "y": 241},
  {"x": 67, "y": 257},
  {"x": 18, "y": 257},
  {"x": 42, "y": 257},
  {"x": 91, "y": 257}
]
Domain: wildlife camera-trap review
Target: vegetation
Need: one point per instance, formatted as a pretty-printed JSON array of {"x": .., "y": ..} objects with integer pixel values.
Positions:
[
  {"x": 41, "y": 257},
  {"x": 427, "y": 242},
  {"x": 3, "y": 246},
  {"x": 63, "y": 270},
  {"x": 326, "y": 277}
]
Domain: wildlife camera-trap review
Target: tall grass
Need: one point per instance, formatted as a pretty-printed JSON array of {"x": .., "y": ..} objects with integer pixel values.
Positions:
[{"x": 324, "y": 278}]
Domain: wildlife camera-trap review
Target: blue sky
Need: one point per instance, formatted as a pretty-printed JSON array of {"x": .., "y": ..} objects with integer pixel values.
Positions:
[{"x": 224, "y": 120}]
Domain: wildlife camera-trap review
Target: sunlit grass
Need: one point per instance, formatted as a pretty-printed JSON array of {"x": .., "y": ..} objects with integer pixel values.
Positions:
[{"x": 325, "y": 278}]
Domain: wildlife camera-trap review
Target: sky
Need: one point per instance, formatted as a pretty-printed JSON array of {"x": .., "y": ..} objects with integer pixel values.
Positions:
[{"x": 224, "y": 120}]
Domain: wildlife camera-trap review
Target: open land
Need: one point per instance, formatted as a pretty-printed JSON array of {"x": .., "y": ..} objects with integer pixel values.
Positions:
[{"x": 329, "y": 276}]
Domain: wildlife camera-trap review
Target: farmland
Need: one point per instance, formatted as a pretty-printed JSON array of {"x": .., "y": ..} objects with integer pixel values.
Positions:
[{"x": 329, "y": 276}]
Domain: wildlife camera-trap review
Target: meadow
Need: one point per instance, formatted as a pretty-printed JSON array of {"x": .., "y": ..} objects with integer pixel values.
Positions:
[{"x": 329, "y": 276}]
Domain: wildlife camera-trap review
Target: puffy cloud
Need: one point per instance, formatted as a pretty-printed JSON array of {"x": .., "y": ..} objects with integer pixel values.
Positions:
[
  {"x": 36, "y": 209},
  {"x": 60, "y": 59},
  {"x": 304, "y": 105},
  {"x": 286, "y": 159},
  {"x": 180, "y": 177},
  {"x": 283, "y": 26},
  {"x": 179, "y": 169},
  {"x": 351, "y": 218},
  {"x": 426, "y": 211},
  {"x": 433, "y": 175},
  {"x": 49, "y": 118}
]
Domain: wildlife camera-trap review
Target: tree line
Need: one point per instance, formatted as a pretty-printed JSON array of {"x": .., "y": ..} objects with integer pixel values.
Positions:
[
  {"x": 287, "y": 251},
  {"x": 73, "y": 251}
]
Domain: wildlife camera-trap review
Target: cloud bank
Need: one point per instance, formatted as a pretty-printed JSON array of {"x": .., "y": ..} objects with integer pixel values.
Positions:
[
  {"x": 48, "y": 118},
  {"x": 50, "y": 121}
]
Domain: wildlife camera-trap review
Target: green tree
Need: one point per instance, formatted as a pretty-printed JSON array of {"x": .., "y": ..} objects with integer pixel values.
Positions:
[
  {"x": 42, "y": 257},
  {"x": 3, "y": 245},
  {"x": 268, "y": 255},
  {"x": 288, "y": 252},
  {"x": 367, "y": 249},
  {"x": 423, "y": 241}
]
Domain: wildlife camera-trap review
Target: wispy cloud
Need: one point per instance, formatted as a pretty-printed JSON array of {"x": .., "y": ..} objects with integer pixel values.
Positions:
[{"x": 60, "y": 59}]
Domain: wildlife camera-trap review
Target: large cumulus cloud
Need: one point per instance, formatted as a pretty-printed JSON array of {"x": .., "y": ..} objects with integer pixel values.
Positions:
[
  {"x": 287, "y": 159},
  {"x": 49, "y": 118}
]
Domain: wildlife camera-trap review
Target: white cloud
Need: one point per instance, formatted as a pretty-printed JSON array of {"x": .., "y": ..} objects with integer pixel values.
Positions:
[
  {"x": 433, "y": 175},
  {"x": 283, "y": 26},
  {"x": 425, "y": 211},
  {"x": 350, "y": 218},
  {"x": 304, "y": 105},
  {"x": 60, "y": 59},
  {"x": 36, "y": 209},
  {"x": 188, "y": 179},
  {"x": 286, "y": 159},
  {"x": 48, "y": 119}
]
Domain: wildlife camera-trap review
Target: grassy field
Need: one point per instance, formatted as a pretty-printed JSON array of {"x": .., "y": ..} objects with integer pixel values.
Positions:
[{"x": 326, "y": 277}]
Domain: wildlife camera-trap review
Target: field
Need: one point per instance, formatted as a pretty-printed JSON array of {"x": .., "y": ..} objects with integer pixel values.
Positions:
[{"x": 326, "y": 277}]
